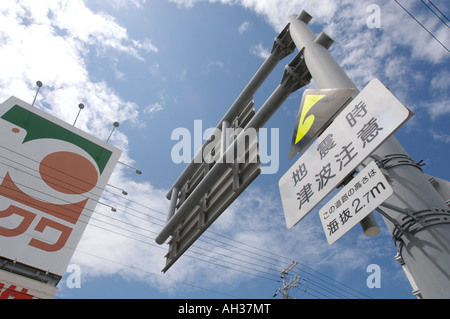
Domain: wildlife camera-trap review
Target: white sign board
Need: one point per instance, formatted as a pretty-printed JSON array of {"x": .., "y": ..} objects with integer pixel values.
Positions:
[
  {"x": 51, "y": 177},
  {"x": 355, "y": 201},
  {"x": 363, "y": 125}
]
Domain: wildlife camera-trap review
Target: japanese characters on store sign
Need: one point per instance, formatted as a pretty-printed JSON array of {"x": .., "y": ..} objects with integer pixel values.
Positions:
[
  {"x": 51, "y": 177},
  {"x": 11, "y": 292},
  {"x": 356, "y": 132},
  {"x": 17, "y": 286},
  {"x": 355, "y": 201}
]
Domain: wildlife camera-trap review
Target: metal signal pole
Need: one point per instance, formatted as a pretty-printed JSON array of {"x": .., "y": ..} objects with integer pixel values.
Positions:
[{"x": 416, "y": 215}]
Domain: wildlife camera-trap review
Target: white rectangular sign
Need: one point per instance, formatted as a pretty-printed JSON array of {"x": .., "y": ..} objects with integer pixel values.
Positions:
[
  {"x": 355, "y": 201},
  {"x": 51, "y": 177},
  {"x": 363, "y": 125}
]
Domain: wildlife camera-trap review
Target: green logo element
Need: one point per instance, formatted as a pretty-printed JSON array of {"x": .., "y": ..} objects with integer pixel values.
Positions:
[{"x": 38, "y": 127}]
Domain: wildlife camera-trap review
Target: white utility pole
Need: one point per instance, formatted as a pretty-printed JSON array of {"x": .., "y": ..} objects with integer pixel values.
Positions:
[{"x": 416, "y": 215}]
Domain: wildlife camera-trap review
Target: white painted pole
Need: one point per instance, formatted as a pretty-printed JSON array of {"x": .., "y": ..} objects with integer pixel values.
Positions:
[{"x": 420, "y": 224}]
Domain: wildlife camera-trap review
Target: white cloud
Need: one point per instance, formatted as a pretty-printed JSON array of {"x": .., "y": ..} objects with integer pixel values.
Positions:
[
  {"x": 120, "y": 4},
  {"x": 440, "y": 82},
  {"x": 185, "y": 3},
  {"x": 95, "y": 28},
  {"x": 49, "y": 41},
  {"x": 243, "y": 27},
  {"x": 347, "y": 20},
  {"x": 260, "y": 51},
  {"x": 363, "y": 52},
  {"x": 423, "y": 46},
  {"x": 145, "y": 45},
  {"x": 438, "y": 108},
  {"x": 183, "y": 75},
  {"x": 124, "y": 237},
  {"x": 442, "y": 137},
  {"x": 212, "y": 64},
  {"x": 277, "y": 11},
  {"x": 152, "y": 108}
]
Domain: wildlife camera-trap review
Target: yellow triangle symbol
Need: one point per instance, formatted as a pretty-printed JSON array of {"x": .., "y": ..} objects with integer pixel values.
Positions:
[{"x": 305, "y": 123}]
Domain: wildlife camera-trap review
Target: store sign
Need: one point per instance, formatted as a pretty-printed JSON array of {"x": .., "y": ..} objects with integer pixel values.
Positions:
[
  {"x": 13, "y": 286},
  {"x": 51, "y": 178}
]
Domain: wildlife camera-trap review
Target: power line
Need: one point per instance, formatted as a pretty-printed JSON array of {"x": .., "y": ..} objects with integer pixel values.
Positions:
[
  {"x": 90, "y": 193},
  {"x": 198, "y": 253},
  {"x": 438, "y": 10},
  {"x": 288, "y": 285},
  {"x": 429, "y": 8},
  {"x": 311, "y": 271},
  {"x": 195, "y": 257},
  {"x": 158, "y": 275},
  {"x": 215, "y": 241},
  {"x": 334, "y": 289},
  {"x": 142, "y": 270},
  {"x": 429, "y": 32},
  {"x": 150, "y": 243},
  {"x": 151, "y": 238}
]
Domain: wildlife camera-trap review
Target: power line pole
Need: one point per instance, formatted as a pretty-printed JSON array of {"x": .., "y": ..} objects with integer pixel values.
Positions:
[
  {"x": 416, "y": 215},
  {"x": 288, "y": 285}
]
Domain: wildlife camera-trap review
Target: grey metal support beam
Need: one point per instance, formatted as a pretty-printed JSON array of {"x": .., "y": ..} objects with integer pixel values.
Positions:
[
  {"x": 173, "y": 203},
  {"x": 282, "y": 47},
  {"x": 325, "y": 71},
  {"x": 295, "y": 76},
  {"x": 224, "y": 137},
  {"x": 427, "y": 251}
]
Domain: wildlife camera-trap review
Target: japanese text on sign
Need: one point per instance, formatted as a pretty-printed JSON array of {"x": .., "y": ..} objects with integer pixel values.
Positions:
[
  {"x": 356, "y": 132},
  {"x": 354, "y": 202},
  {"x": 343, "y": 155}
]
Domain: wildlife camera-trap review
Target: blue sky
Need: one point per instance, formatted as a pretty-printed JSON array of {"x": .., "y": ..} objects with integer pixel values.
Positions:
[{"x": 155, "y": 66}]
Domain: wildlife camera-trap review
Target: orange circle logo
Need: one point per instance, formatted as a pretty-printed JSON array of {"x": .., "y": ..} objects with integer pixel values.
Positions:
[{"x": 68, "y": 173}]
